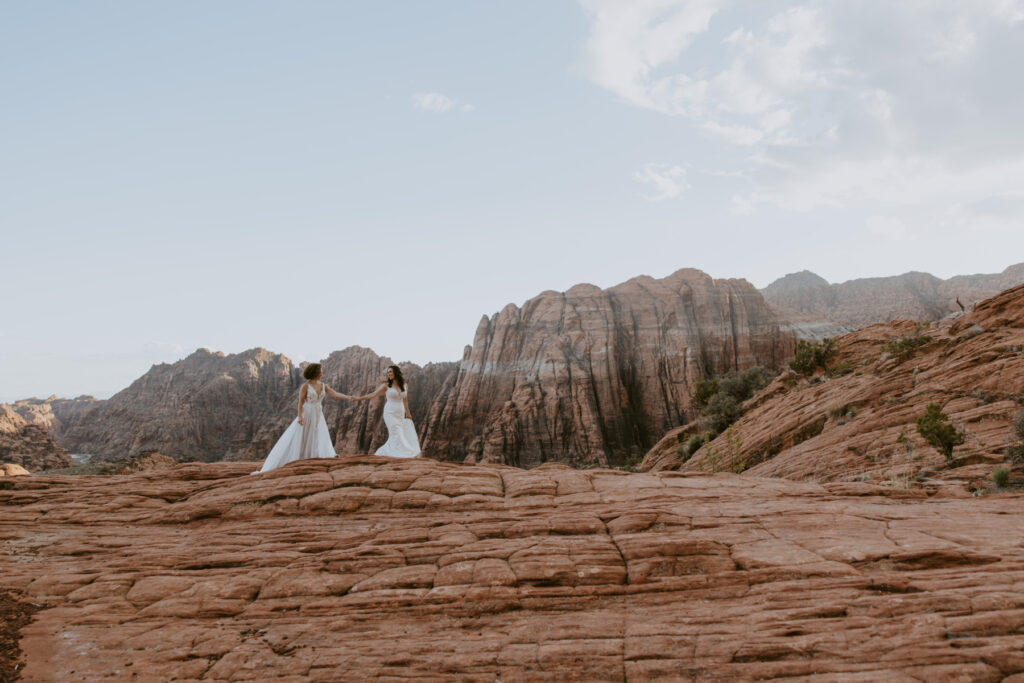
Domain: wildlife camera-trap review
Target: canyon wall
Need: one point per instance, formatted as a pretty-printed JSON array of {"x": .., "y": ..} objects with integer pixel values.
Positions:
[
  {"x": 595, "y": 377},
  {"x": 857, "y": 422}
]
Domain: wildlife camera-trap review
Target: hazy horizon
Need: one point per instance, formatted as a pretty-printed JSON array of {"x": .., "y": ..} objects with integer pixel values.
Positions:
[
  {"x": 186, "y": 353},
  {"x": 305, "y": 178}
]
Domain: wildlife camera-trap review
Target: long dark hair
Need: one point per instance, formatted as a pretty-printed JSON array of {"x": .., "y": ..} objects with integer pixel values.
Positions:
[{"x": 398, "y": 377}]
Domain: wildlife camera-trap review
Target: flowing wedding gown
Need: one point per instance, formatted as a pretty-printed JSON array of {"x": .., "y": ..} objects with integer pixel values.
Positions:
[
  {"x": 402, "y": 441},
  {"x": 303, "y": 441}
]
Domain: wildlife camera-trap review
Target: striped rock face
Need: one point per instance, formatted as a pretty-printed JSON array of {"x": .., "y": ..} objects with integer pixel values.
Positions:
[{"x": 361, "y": 568}]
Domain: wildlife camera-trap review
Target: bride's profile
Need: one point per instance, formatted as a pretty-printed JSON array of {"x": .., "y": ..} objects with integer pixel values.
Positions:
[
  {"x": 307, "y": 435},
  {"x": 402, "y": 440}
]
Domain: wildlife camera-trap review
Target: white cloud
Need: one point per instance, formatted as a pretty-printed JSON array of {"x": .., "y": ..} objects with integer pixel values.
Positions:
[
  {"x": 668, "y": 181},
  {"x": 438, "y": 103},
  {"x": 885, "y": 105}
]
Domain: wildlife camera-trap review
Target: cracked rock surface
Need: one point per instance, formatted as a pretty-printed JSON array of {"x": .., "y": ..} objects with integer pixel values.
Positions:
[{"x": 362, "y": 568}]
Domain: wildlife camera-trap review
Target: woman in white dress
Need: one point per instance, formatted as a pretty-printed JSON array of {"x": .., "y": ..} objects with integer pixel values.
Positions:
[
  {"x": 402, "y": 441},
  {"x": 307, "y": 435}
]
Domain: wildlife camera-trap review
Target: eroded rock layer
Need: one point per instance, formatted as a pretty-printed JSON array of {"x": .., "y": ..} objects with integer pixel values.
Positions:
[
  {"x": 28, "y": 445},
  {"x": 858, "y": 421},
  {"x": 208, "y": 406},
  {"x": 593, "y": 377},
  {"x": 365, "y": 568},
  {"x": 911, "y": 296}
]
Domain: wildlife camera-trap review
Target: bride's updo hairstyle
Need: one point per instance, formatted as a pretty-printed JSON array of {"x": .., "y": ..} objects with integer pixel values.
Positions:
[
  {"x": 398, "y": 378},
  {"x": 312, "y": 371}
]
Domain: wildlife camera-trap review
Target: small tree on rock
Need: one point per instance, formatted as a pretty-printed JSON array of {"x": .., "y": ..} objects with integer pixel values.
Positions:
[{"x": 935, "y": 428}]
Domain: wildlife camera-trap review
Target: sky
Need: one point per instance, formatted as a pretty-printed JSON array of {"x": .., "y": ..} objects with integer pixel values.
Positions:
[{"x": 309, "y": 176}]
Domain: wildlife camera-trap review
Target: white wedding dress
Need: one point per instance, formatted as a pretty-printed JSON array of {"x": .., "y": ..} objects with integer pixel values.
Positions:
[
  {"x": 402, "y": 441},
  {"x": 303, "y": 441}
]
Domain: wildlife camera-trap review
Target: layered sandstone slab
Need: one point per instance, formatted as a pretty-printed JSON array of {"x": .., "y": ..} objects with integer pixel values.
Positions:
[
  {"x": 366, "y": 568},
  {"x": 592, "y": 376},
  {"x": 911, "y": 296},
  {"x": 28, "y": 445},
  {"x": 862, "y": 424}
]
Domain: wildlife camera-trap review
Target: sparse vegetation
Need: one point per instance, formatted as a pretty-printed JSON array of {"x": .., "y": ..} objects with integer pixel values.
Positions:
[
  {"x": 842, "y": 414},
  {"x": 811, "y": 355},
  {"x": 719, "y": 400},
  {"x": 905, "y": 346},
  {"x": 840, "y": 369},
  {"x": 1000, "y": 477},
  {"x": 935, "y": 428},
  {"x": 690, "y": 446},
  {"x": 1015, "y": 451}
]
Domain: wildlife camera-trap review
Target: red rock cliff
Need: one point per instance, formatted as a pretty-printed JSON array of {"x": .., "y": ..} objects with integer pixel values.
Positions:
[{"x": 594, "y": 376}]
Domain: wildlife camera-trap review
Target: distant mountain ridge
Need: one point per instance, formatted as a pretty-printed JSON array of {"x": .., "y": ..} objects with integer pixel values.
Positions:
[
  {"x": 589, "y": 376},
  {"x": 911, "y": 296}
]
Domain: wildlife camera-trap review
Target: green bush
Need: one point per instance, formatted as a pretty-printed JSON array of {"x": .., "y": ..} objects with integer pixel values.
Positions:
[
  {"x": 1000, "y": 477},
  {"x": 693, "y": 444},
  {"x": 905, "y": 346},
  {"x": 841, "y": 369},
  {"x": 702, "y": 393},
  {"x": 719, "y": 400},
  {"x": 934, "y": 427},
  {"x": 811, "y": 355}
]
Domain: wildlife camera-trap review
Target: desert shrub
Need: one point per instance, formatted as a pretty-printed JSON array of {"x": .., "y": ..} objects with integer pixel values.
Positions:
[
  {"x": 842, "y": 414},
  {"x": 841, "y": 369},
  {"x": 905, "y": 346},
  {"x": 811, "y": 355},
  {"x": 744, "y": 384},
  {"x": 693, "y": 444},
  {"x": 1015, "y": 451},
  {"x": 722, "y": 410},
  {"x": 935, "y": 428},
  {"x": 702, "y": 393},
  {"x": 719, "y": 401},
  {"x": 1000, "y": 477}
]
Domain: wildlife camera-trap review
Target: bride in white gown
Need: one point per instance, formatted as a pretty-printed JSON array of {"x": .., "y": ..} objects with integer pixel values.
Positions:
[
  {"x": 402, "y": 441},
  {"x": 307, "y": 435}
]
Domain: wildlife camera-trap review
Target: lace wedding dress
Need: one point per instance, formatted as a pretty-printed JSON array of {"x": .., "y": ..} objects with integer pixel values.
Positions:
[
  {"x": 303, "y": 441},
  {"x": 402, "y": 441}
]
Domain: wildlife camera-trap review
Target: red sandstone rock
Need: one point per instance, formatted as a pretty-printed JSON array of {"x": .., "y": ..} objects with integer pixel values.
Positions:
[
  {"x": 10, "y": 470},
  {"x": 365, "y": 568},
  {"x": 590, "y": 376},
  {"x": 28, "y": 445},
  {"x": 862, "y": 425},
  {"x": 143, "y": 462}
]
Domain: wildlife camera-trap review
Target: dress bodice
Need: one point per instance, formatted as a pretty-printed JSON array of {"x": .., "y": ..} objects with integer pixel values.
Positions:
[
  {"x": 315, "y": 397},
  {"x": 394, "y": 395}
]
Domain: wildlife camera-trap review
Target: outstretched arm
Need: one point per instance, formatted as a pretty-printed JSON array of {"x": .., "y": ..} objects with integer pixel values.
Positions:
[
  {"x": 376, "y": 392},
  {"x": 335, "y": 394}
]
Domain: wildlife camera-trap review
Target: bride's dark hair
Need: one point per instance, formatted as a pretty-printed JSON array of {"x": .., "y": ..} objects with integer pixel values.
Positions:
[
  {"x": 312, "y": 371},
  {"x": 398, "y": 377}
]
